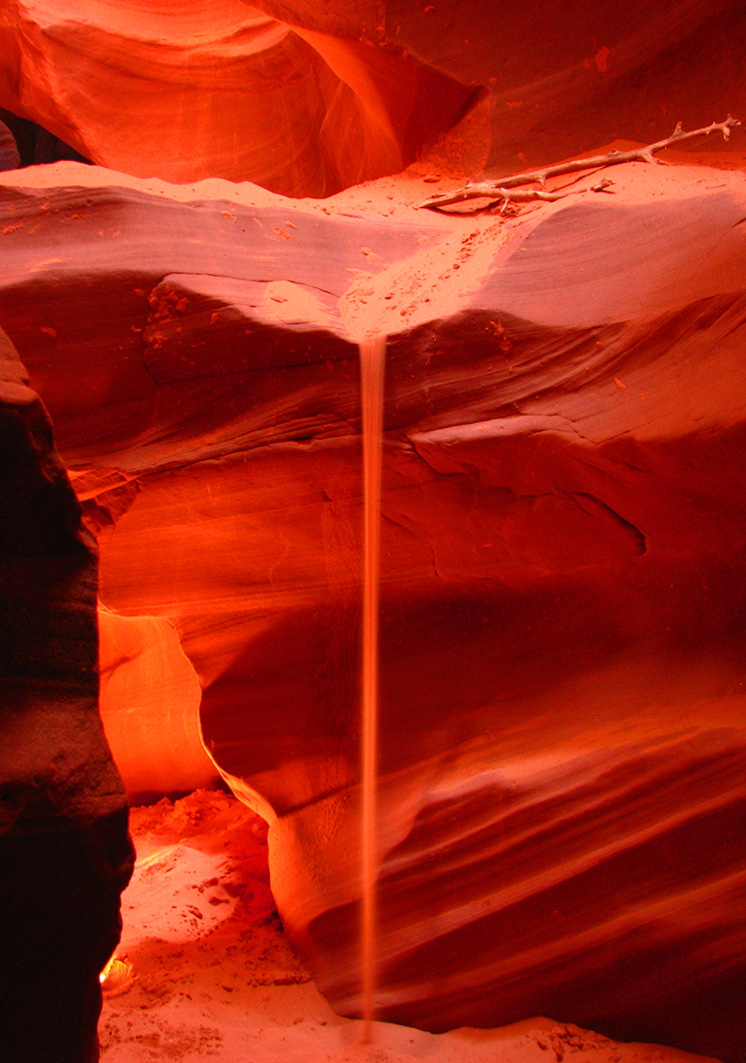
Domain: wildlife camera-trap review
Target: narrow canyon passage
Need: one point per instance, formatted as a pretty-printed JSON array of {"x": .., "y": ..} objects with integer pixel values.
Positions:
[{"x": 202, "y": 215}]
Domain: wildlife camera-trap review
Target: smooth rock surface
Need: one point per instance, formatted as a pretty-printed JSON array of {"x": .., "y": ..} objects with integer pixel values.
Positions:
[
  {"x": 562, "y": 737},
  {"x": 307, "y": 99},
  {"x": 221, "y": 91}
]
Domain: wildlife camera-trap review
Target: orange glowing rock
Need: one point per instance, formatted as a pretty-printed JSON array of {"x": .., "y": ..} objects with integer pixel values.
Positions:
[
  {"x": 150, "y": 698},
  {"x": 561, "y": 736},
  {"x": 221, "y": 91},
  {"x": 562, "y": 747}
]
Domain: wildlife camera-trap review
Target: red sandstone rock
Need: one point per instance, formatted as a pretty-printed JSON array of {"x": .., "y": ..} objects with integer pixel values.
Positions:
[
  {"x": 65, "y": 854},
  {"x": 566, "y": 77},
  {"x": 150, "y": 699},
  {"x": 307, "y": 99},
  {"x": 562, "y": 739},
  {"x": 562, "y": 742},
  {"x": 9, "y": 157},
  {"x": 562, "y": 77},
  {"x": 220, "y": 91}
]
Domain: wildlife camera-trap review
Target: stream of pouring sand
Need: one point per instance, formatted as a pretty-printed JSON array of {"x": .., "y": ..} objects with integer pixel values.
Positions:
[{"x": 372, "y": 371}]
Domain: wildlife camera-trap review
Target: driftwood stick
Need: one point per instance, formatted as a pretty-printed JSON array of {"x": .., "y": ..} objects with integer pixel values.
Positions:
[
  {"x": 502, "y": 188},
  {"x": 525, "y": 195}
]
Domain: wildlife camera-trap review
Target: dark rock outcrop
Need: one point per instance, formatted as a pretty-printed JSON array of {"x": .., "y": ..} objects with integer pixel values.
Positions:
[
  {"x": 65, "y": 854},
  {"x": 9, "y": 157}
]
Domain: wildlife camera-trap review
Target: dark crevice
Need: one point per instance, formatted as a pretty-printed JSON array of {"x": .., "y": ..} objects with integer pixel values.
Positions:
[
  {"x": 633, "y": 531},
  {"x": 37, "y": 145}
]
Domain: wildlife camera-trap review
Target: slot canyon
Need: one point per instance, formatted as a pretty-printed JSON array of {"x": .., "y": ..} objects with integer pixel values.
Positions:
[{"x": 205, "y": 209}]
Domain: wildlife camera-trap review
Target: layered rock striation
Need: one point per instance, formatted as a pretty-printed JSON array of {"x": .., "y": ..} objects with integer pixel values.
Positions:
[
  {"x": 222, "y": 91},
  {"x": 562, "y": 741},
  {"x": 561, "y": 721},
  {"x": 306, "y": 100}
]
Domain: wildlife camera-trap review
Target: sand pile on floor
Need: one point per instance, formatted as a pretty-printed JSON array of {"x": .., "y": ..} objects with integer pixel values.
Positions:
[{"x": 204, "y": 971}]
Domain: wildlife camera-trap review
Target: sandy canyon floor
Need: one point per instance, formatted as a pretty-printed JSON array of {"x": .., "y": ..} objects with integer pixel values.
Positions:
[{"x": 204, "y": 970}]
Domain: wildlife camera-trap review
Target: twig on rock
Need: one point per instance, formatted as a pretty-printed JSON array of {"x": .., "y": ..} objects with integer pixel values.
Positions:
[{"x": 504, "y": 191}]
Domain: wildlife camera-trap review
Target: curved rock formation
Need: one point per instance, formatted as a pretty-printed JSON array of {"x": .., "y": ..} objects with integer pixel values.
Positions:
[
  {"x": 65, "y": 854},
  {"x": 562, "y": 739},
  {"x": 306, "y": 100},
  {"x": 221, "y": 91},
  {"x": 150, "y": 699},
  {"x": 564, "y": 78}
]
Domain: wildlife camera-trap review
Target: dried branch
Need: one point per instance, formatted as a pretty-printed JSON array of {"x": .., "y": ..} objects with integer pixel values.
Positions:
[{"x": 503, "y": 189}]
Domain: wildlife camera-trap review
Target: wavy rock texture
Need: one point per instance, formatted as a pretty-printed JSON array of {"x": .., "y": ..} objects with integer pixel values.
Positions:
[
  {"x": 562, "y": 706},
  {"x": 306, "y": 99},
  {"x": 65, "y": 854},
  {"x": 220, "y": 91},
  {"x": 566, "y": 77},
  {"x": 562, "y": 77}
]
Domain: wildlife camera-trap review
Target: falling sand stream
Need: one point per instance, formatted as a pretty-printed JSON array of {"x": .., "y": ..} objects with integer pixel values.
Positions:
[{"x": 372, "y": 369}]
